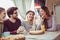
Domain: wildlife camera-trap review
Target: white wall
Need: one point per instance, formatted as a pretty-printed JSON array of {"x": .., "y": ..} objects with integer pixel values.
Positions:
[{"x": 57, "y": 11}]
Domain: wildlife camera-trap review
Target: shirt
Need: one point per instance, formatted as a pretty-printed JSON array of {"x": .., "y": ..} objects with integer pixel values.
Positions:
[
  {"x": 11, "y": 27},
  {"x": 28, "y": 26}
]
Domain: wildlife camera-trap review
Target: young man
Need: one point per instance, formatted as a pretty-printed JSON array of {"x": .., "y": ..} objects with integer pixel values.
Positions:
[
  {"x": 12, "y": 24},
  {"x": 2, "y": 16}
]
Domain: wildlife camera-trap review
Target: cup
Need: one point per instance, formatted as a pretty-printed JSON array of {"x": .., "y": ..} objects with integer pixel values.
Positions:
[{"x": 6, "y": 34}]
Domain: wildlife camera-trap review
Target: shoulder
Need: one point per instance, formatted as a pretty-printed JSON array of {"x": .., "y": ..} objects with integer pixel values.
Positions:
[
  {"x": 23, "y": 22},
  {"x": 51, "y": 19},
  {"x": 6, "y": 21},
  {"x": 18, "y": 20}
]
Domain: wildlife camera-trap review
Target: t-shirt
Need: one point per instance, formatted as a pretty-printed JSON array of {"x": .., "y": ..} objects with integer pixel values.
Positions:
[
  {"x": 28, "y": 26},
  {"x": 11, "y": 27}
]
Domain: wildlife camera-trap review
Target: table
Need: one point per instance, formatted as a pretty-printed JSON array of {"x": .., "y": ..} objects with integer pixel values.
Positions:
[
  {"x": 14, "y": 37},
  {"x": 46, "y": 36}
]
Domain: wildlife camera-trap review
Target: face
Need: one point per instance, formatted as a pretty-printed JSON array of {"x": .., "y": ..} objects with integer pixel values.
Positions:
[
  {"x": 42, "y": 13},
  {"x": 15, "y": 15},
  {"x": 2, "y": 14},
  {"x": 30, "y": 16}
]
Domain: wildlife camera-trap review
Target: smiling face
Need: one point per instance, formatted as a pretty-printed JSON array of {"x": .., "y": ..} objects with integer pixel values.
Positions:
[
  {"x": 2, "y": 14},
  {"x": 42, "y": 13},
  {"x": 45, "y": 14},
  {"x": 30, "y": 16}
]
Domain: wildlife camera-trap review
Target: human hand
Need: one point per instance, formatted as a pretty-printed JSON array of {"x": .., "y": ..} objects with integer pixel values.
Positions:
[{"x": 20, "y": 29}]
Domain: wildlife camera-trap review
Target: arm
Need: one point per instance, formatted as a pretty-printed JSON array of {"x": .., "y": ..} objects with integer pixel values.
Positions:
[
  {"x": 38, "y": 31},
  {"x": 1, "y": 21},
  {"x": 13, "y": 32},
  {"x": 53, "y": 28},
  {"x": 6, "y": 30},
  {"x": 20, "y": 29},
  {"x": 5, "y": 27}
]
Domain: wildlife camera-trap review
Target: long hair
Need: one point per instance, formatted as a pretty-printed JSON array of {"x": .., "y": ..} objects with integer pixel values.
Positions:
[{"x": 48, "y": 14}]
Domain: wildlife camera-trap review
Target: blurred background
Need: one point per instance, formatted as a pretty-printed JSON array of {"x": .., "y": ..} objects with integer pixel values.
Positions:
[{"x": 34, "y": 5}]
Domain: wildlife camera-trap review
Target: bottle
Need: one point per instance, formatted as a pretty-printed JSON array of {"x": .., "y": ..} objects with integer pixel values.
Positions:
[{"x": 43, "y": 27}]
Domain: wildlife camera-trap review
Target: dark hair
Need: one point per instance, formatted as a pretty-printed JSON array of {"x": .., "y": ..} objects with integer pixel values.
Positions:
[
  {"x": 52, "y": 12},
  {"x": 1, "y": 9},
  {"x": 11, "y": 10},
  {"x": 48, "y": 14},
  {"x": 46, "y": 10},
  {"x": 30, "y": 11}
]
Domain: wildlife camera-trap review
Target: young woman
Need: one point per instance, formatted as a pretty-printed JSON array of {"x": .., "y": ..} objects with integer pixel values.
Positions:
[
  {"x": 2, "y": 16},
  {"x": 48, "y": 20},
  {"x": 29, "y": 20}
]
